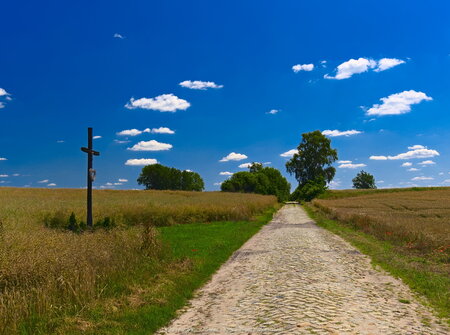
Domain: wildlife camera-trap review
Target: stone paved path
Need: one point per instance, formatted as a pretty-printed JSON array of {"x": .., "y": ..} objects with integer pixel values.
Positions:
[{"x": 296, "y": 278}]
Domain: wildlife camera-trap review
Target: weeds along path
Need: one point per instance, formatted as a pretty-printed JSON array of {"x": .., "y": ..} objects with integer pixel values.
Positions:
[{"x": 296, "y": 278}]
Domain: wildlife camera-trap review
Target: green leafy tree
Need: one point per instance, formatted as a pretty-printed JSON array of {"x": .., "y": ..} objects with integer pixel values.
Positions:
[
  {"x": 160, "y": 177},
  {"x": 312, "y": 165},
  {"x": 259, "y": 179},
  {"x": 364, "y": 180}
]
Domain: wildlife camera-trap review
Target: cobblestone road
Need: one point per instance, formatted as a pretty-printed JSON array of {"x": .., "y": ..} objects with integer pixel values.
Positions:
[{"x": 296, "y": 278}]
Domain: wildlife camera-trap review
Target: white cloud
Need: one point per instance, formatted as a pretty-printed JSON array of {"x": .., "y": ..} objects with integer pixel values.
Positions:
[
  {"x": 45, "y": 181},
  {"x": 245, "y": 165},
  {"x": 446, "y": 181},
  {"x": 160, "y": 130},
  {"x": 2, "y": 105},
  {"x": 398, "y": 103},
  {"x": 335, "y": 133},
  {"x": 199, "y": 85},
  {"x": 233, "y": 157},
  {"x": 417, "y": 146},
  {"x": 226, "y": 173},
  {"x": 334, "y": 184},
  {"x": 273, "y": 111},
  {"x": 441, "y": 173},
  {"x": 4, "y": 176},
  {"x": 422, "y": 178},
  {"x": 116, "y": 35},
  {"x": 123, "y": 180},
  {"x": 129, "y": 132},
  {"x": 96, "y": 137},
  {"x": 289, "y": 153},
  {"x": 16, "y": 175},
  {"x": 388, "y": 63},
  {"x": 344, "y": 162},
  {"x": 60, "y": 141},
  {"x": 351, "y": 67},
  {"x": 121, "y": 142},
  {"x": 217, "y": 184},
  {"x": 3, "y": 92},
  {"x": 303, "y": 67},
  {"x": 413, "y": 169},
  {"x": 141, "y": 162},
  {"x": 3, "y": 159},
  {"x": 117, "y": 184},
  {"x": 406, "y": 164},
  {"x": 429, "y": 162},
  {"x": 150, "y": 146},
  {"x": 162, "y": 103},
  {"x": 51, "y": 184},
  {"x": 351, "y": 166},
  {"x": 420, "y": 152}
]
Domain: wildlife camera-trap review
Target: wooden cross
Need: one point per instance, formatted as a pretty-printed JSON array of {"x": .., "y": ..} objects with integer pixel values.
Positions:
[{"x": 90, "y": 176}]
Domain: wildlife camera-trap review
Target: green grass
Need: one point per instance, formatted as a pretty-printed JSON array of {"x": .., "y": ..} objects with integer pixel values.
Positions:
[
  {"x": 338, "y": 194},
  {"x": 414, "y": 270},
  {"x": 142, "y": 301}
]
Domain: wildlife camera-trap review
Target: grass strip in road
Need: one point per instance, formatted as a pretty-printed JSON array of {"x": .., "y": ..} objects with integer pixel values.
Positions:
[
  {"x": 421, "y": 273},
  {"x": 147, "y": 298}
]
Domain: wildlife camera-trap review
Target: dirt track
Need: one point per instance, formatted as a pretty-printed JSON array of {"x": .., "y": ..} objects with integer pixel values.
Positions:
[{"x": 296, "y": 278}]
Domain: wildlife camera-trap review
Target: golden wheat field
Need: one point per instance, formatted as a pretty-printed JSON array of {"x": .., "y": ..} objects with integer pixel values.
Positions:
[
  {"x": 419, "y": 219},
  {"x": 44, "y": 271}
]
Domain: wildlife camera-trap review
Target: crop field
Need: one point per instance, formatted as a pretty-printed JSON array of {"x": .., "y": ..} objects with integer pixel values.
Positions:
[
  {"x": 406, "y": 231},
  {"x": 53, "y": 277},
  {"x": 419, "y": 219}
]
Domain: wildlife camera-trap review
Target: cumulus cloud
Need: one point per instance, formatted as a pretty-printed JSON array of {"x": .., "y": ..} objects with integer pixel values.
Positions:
[
  {"x": 360, "y": 65},
  {"x": 407, "y": 164},
  {"x": 303, "y": 67},
  {"x": 334, "y": 184},
  {"x": 245, "y": 165},
  {"x": 122, "y": 180},
  {"x": 273, "y": 111},
  {"x": 413, "y": 169},
  {"x": 351, "y": 67},
  {"x": 388, "y": 63},
  {"x": 351, "y": 165},
  {"x": 418, "y": 152},
  {"x": 4, "y": 176},
  {"x": 336, "y": 133},
  {"x": 398, "y": 103},
  {"x": 3, "y": 92},
  {"x": 129, "y": 132},
  {"x": 226, "y": 173},
  {"x": 116, "y": 35},
  {"x": 429, "y": 162},
  {"x": 162, "y": 103},
  {"x": 160, "y": 130},
  {"x": 233, "y": 156},
  {"x": 218, "y": 184},
  {"x": 344, "y": 162},
  {"x": 199, "y": 85},
  {"x": 289, "y": 153},
  {"x": 141, "y": 161},
  {"x": 121, "y": 142},
  {"x": 3, "y": 159},
  {"x": 43, "y": 181},
  {"x": 422, "y": 178},
  {"x": 51, "y": 184},
  {"x": 96, "y": 137},
  {"x": 151, "y": 145}
]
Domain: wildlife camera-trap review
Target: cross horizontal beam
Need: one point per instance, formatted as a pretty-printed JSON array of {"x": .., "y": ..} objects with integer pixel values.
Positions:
[{"x": 90, "y": 151}]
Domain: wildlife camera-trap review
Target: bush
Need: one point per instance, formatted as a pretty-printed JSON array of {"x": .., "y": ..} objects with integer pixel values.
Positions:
[
  {"x": 160, "y": 177},
  {"x": 260, "y": 180},
  {"x": 312, "y": 189}
]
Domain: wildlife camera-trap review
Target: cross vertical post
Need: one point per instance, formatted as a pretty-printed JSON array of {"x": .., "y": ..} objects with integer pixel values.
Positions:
[{"x": 90, "y": 176}]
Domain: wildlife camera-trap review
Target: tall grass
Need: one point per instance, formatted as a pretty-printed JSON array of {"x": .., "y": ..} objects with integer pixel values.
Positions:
[{"x": 47, "y": 273}]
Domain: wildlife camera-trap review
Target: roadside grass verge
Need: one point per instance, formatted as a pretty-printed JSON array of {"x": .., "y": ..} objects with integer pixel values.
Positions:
[
  {"x": 147, "y": 298},
  {"x": 338, "y": 194},
  {"x": 425, "y": 274}
]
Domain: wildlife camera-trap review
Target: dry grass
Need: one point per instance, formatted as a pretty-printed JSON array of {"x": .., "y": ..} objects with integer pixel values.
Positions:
[
  {"x": 416, "y": 220},
  {"x": 51, "y": 273}
]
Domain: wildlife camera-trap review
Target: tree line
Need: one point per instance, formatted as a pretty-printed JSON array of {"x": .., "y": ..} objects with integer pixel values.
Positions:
[{"x": 312, "y": 167}]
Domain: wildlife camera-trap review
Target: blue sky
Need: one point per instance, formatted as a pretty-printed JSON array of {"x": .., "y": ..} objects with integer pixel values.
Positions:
[{"x": 117, "y": 66}]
